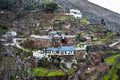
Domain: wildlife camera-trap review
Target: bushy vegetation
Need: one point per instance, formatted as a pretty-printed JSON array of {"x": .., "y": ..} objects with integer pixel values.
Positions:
[
  {"x": 51, "y": 6},
  {"x": 29, "y": 45},
  {"x": 54, "y": 61},
  {"x": 17, "y": 51},
  {"x": 26, "y": 4},
  {"x": 78, "y": 37},
  {"x": 4, "y": 28}
]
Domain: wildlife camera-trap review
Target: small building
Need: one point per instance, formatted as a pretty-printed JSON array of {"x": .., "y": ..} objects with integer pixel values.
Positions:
[
  {"x": 54, "y": 38},
  {"x": 62, "y": 50},
  {"x": 52, "y": 33},
  {"x": 38, "y": 54},
  {"x": 9, "y": 36},
  {"x": 88, "y": 38},
  {"x": 47, "y": 27},
  {"x": 56, "y": 41},
  {"x": 61, "y": 39},
  {"x": 67, "y": 26},
  {"x": 76, "y": 13},
  {"x": 70, "y": 39},
  {"x": 80, "y": 51}
]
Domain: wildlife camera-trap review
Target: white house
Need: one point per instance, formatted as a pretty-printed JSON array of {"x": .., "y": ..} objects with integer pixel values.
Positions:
[
  {"x": 38, "y": 54},
  {"x": 76, "y": 13},
  {"x": 62, "y": 50}
]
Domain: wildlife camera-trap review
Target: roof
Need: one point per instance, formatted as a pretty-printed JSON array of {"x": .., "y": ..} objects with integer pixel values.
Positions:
[
  {"x": 87, "y": 37},
  {"x": 69, "y": 36},
  {"x": 13, "y": 33},
  {"x": 77, "y": 15},
  {"x": 66, "y": 48},
  {"x": 43, "y": 37},
  {"x": 61, "y": 48},
  {"x": 75, "y": 10},
  {"x": 52, "y": 49},
  {"x": 52, "y": 32},
  {"x": 56, "y": 35},
  {"x": 80, "y": 48}
]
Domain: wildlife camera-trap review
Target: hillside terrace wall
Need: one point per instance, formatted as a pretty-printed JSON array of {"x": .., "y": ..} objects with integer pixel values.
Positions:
[{"x": 65, "y": 77}]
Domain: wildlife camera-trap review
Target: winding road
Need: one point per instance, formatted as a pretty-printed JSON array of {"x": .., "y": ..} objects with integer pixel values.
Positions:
[{"x": 15, "y": 43}]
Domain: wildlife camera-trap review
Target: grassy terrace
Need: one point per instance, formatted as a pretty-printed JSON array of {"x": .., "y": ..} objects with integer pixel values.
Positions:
[
  {"x": 97, "y": 28},
  {"x": 103, "y": 33},
  {"x": 111, "y": 59},
  {"x": 112, "y": 72},
  {"x": 84, "y": 21},
  {"x": 62, "y": 17},
  {"x": 108, "y": 36},
  {"x": 46, "y": 72},
  {"x": 41, "y": 72}
]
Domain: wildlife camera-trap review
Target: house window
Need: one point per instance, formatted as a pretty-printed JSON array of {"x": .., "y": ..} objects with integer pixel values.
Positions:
[{"x": 65, "y": 53}]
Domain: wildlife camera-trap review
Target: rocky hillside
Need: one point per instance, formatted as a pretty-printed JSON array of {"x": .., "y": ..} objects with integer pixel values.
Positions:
[{"x": 93, "y": 12}]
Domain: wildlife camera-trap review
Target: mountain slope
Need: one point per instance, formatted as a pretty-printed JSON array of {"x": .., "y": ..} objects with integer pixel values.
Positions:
[{"x": 94, "y": 12}]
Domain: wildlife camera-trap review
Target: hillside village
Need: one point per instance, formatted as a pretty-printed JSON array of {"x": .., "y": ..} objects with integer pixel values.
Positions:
[{"x": 48, "y": 44}]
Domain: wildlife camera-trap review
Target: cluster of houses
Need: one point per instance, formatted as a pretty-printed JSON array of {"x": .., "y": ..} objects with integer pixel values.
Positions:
[
  {"x": 54, "y": 38},
  {"x": 57, "y": 43}
]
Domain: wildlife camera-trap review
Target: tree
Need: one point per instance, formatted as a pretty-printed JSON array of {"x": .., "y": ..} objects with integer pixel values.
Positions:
[
  {"x": 37, "y": 31},
  {"x": 118, "y": 73},
  {"x": 78, "y": 38},
  {"x": 51, "y": 7},
  {"x": 88, "y": 49},
  {"x": 16, "y": 4},
  {"x": 105, "y": 33},
  {"x": 103, "y": 22}
]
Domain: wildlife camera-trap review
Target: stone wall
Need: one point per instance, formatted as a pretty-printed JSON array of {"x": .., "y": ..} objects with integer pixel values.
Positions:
[{"x": 65, "y": 77}]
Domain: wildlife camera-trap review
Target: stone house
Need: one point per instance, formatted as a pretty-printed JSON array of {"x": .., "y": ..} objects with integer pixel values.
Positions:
[
  {"x": 59, "y": 38},
  {"x": 54, "y": 38},
  {"x": 56, "y": 41},
  {"x": 80, "y": 53},
  {"x": 41, "y": 41},
  {"x": 70, "y": 39}
]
